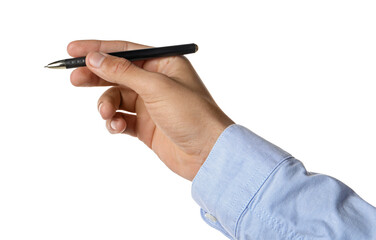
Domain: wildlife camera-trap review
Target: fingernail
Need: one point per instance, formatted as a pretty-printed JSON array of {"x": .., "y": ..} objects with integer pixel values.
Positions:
[
  {"x": 96, "y": 59},
  {"x": 99, "y": 107},
  {"x": 114, "y": 124}
]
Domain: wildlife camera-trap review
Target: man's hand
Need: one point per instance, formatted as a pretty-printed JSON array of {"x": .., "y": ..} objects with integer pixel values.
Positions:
[{"x": 173, "y": 112}]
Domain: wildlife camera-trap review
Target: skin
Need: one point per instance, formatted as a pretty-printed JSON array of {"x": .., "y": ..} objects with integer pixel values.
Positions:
[{"x": 162, "y": 102}]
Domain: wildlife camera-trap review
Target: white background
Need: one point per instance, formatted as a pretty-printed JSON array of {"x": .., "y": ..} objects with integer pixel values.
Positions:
[{"x": 299, "y": 73}]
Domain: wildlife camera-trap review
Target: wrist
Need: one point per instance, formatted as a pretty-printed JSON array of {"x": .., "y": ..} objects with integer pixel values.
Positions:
[{"x": 215, "y": 131}]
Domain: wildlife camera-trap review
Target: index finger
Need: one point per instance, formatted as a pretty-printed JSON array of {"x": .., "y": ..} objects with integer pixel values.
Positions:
[{"x": 81, "y": 48}]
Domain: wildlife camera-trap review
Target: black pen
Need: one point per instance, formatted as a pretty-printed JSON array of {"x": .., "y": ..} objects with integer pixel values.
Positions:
[{"x": 132, "y": 55}]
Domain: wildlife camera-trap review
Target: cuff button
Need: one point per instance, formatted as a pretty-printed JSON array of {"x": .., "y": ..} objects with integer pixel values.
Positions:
[{"x": 210, "y": 217}]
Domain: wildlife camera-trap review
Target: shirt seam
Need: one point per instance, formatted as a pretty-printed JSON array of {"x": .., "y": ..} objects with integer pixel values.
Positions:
[
  {"x": 277, "y": 226},
  {"x": 285, "y": 159}
]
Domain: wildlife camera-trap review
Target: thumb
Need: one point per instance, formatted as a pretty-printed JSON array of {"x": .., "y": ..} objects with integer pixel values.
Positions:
[{"x": 123, "y": 72}]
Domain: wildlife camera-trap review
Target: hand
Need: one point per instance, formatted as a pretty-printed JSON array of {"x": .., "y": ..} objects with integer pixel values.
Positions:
[{"x": 173, "y": 112}]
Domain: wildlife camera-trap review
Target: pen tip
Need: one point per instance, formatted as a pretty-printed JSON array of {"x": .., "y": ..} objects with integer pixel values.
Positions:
[
  {"x": 56, "y": 65},
  {"x": 196, "y": 48}
]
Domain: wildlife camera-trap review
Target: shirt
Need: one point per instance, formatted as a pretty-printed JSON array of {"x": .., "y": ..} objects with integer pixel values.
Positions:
[{"x": 249, "y": 188}]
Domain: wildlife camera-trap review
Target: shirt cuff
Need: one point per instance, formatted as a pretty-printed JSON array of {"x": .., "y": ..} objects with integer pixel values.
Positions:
[{"x": 235, "y": 170}]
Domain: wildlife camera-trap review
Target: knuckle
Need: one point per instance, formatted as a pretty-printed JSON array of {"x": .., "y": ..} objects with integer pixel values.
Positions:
[
  {"x": 181, "y": 60},
  {"x": 158, "y": 83},
  {"x": 121, "y": 66}
]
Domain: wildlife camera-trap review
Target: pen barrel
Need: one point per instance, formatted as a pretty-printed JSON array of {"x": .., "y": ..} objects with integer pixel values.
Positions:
[
  {"x": 75, "y": 62},
  {"x": 146, "y": 53},
  {"x": 140, "y": 54}
]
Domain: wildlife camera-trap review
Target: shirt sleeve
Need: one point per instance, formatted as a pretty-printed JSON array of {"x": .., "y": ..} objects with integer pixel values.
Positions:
[{"x": 249, "y": 188}]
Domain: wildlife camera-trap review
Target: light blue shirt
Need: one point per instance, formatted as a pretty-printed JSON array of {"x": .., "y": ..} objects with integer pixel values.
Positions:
[{"x": 250, "y": 189}]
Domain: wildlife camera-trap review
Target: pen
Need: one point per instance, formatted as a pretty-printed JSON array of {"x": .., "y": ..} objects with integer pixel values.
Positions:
[{"x": 132, "y": 55}]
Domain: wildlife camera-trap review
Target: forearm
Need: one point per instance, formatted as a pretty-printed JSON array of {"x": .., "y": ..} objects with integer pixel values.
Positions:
[{"x": 257, "y": 191}]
